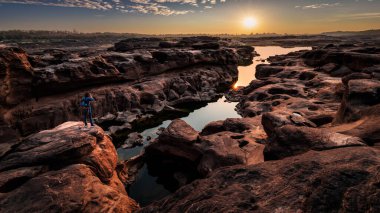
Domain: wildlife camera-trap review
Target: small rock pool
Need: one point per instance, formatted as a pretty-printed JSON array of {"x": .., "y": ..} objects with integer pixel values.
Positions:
[{"x": 148, "y": 188}]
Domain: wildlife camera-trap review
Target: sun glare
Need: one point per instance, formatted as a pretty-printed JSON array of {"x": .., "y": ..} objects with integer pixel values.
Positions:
[{"x": 249, "y": 22}]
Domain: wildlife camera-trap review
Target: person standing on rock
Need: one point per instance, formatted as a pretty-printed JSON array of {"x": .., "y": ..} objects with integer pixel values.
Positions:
[{"x": 86, "y": 108}]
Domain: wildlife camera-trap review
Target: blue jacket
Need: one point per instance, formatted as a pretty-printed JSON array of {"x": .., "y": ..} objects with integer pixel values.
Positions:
[{"x": 85, "y": 102}]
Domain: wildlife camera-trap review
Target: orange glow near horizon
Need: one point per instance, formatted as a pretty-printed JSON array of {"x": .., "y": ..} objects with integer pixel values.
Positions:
[{"x": 183, "y": 17}]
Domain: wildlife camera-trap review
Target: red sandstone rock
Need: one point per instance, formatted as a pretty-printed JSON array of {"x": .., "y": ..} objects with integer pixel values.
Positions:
[
  {"x": 335, "y": 180},
  {"x": 67, "y": 168}
]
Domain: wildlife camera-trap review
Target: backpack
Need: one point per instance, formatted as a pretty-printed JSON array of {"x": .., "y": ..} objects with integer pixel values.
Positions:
[{"x": 84, "y": 103}]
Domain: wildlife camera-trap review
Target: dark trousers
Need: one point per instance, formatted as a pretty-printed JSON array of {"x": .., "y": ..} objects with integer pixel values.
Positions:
[{"x": 87, "y": 112}]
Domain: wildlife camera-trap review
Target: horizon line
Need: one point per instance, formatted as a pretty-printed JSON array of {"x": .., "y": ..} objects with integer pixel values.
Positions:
[{"x": 74, "y": 31}]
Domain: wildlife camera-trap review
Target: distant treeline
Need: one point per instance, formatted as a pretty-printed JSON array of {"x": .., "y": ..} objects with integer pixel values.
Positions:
[
  {"x": 354, "y": 33},
  {"x": 44, "y": 34},
  {"x": 41, "y": 34}
]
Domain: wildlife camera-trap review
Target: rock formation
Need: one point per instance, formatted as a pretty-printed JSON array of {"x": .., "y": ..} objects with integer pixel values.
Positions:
[
  {"x": 207, "y": 152},
  {"x": 73, "y": 169},
  {"x": 317, "y": 113},
  {"x": 42, "y": 89},
  {"x": 308, "y": 139},
  {"x": 65, "y": 169}
]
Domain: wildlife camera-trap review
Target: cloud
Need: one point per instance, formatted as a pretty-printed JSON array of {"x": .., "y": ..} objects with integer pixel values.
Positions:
[
  {"x": 89, "y": 4},
  {"x": 156, "y": 7},
  {"x": 190, "y": 2},
  {"x": 360, "y": 16},
  {"x": 318, "y": 6}
]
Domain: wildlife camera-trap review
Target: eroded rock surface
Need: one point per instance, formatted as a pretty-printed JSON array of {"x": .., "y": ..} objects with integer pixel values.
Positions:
[
  {"x": 291, "y": 140},
  {"x": 207, "y": 152},
  {"x": 66, "y": 169},
  {"x": 339, "y": 180}
]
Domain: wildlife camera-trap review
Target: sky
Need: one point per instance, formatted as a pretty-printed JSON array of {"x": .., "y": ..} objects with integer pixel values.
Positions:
[{"x": 191, "y": 16}]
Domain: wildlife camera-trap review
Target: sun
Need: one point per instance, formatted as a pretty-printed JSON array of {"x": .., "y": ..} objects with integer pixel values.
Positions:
[{"x": 249, "y": 22}]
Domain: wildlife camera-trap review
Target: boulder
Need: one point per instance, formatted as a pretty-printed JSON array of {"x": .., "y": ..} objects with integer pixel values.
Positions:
[
  {"x": 179, "y": 132},
  {"x": 273, "y": 120},
  {"x": 207, "y": 152},
  {"x": 63, "y": 144},
  {"x": 134, "y": 139},
  {"x": 176, "y": 141},
  {"x": 226, "y": 149},
  {"x": 237, "y": 125},
  {"x": 359, "y": 96}
]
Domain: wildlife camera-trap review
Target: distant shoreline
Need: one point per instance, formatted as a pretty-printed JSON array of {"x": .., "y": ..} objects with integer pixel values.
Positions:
[{"x": 14, "y": 34}]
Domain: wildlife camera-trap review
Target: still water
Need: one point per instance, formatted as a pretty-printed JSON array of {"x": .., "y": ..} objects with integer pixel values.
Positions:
[
  {"x": 147, "y": 188},
  {"x": 199, "y": 118},
  {"x": 247, "y": 73}
]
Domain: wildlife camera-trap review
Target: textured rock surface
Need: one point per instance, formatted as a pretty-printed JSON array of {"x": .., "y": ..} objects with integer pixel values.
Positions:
[
  {"x": 179, "y": 132},
  {"x": 339, "y": 180},
  {"x": 359, "y": 96},
  {"x": 66, "y": 169},
  {"x": 15, "y": 76},
  {"x": 207, "y": 152},
  {"x": 290, "y": 140}
]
